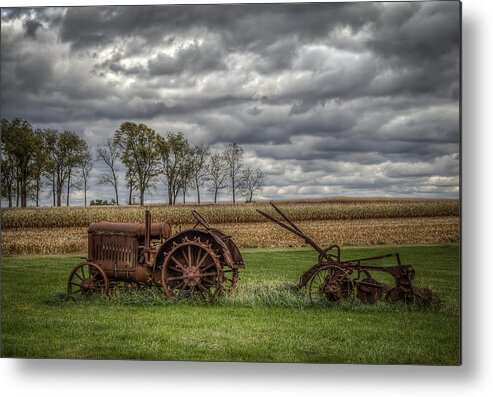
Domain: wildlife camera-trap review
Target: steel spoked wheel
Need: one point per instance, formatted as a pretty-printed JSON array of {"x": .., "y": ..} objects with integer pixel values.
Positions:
[
  {"x": 330, "y": 284},
  {"x": 192, "y": 269},
  {"x": 87, "y": 279}
]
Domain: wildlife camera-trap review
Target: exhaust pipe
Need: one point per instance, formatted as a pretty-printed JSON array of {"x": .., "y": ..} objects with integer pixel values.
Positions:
[{"x": 147, "y": 237}]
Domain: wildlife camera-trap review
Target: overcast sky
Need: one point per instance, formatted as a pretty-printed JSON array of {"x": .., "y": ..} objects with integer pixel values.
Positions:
[{"x": 352, "y": 99}]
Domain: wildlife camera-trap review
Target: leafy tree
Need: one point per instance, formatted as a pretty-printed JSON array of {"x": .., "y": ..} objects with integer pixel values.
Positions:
[
  {"x": 102, "y": 202},
  {"x": 50, "y": 141},
  {"x": 65, "y": 158},
  {"x": 233, "y": 156},
  {"x": 217, "y": 174},
  {"x": 130, "y": 177},
  {"x": 175, "y": 154},
  {"x": 251, "y": 182},
  {"x": 29, "y": 156},
  {"x": 21, "y": 145},
  {"x": 137, "y": 144},
  {"x": 187, "y": 170},
  {"x": 199, "y": 154},
  {"x": 72, "y": 149},
  {"x": 108, "y": 153},
  {"x": 39, "y": 166},
  {"x": 8, "y": 174}
]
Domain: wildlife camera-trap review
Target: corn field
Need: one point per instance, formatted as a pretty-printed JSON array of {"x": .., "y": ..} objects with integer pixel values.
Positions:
[
  {"x": 351, "y": 222},
  {"x": 14, "y": 218}
]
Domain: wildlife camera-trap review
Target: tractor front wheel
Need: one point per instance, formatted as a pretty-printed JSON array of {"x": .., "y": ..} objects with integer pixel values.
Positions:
[{"x": 87, "y": 279}]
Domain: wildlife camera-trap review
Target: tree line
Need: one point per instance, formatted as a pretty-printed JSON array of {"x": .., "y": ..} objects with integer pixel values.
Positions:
[{"x": 34, "y": 161}]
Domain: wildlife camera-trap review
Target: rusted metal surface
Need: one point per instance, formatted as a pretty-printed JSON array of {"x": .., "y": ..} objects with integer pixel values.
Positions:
[
  {"x": 201, "y": 261},
  {"x": 332, "y": 279},
  {"x": 158, "y": 230}
]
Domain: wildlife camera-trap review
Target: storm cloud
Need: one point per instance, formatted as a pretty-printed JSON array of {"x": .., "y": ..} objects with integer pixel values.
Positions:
[{"x": 327, "y": 98}]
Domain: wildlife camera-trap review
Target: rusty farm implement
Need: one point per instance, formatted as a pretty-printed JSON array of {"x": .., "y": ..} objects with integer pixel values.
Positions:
[
  {"x": 201, "y": 261},
  {"x": 333, "y": 279}
]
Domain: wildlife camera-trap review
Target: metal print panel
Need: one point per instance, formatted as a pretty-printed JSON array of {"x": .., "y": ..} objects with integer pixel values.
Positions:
[{"x": 235, "y": 182}]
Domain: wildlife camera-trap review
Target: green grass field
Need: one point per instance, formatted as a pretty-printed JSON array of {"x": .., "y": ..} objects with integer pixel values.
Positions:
[{"x": 264, "y": 321}]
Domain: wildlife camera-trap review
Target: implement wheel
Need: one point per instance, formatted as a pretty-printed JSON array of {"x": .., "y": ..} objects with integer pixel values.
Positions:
[
  {"x": 192, "y": 269},
  {"x": 87, "y": 279},
  {"x": 330, "y": 284}
]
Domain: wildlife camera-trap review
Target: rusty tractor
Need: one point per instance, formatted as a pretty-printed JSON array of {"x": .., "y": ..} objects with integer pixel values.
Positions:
[
  {"x": 201, "y": 261},
  {"x": 332, "y": 279}
]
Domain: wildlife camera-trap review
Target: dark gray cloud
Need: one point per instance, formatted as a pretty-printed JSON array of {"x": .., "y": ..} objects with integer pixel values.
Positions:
[
  {"x": 414, "y": 33},
  {"x": 248, "y": 26},
  {"x": 194, "y": 58},
  {"x": 336, "y": 98},
  {"x": 31, "y": 27}
]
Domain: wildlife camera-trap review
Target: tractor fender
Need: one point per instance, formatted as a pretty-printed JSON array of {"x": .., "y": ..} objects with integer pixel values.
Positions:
[{"x": 227, "y": 250}]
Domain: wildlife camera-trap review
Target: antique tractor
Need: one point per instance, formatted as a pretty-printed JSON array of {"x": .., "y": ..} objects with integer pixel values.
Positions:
[
  {"x": 332, "y": 279},
  {"x": 201, "y": 261}
]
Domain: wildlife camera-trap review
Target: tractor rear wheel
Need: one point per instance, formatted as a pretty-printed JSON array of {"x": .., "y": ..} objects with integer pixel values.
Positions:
[
  {"x": 192, "y": 268},
  {"x": 230, "y": 279}
]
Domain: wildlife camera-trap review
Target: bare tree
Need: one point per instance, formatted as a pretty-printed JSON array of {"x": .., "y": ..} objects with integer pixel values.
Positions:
[
  {"x": 76, "y": 182},
  {"x": 86, "y": 168},
  {"x": 199, "y": 169},
  {"x": 233, "y": 156},
  {"x": 251, "y": 182},
  {"x": 217, "y": 174},
  {"x": 108, "y": 153},
  {"x": 186, "y": 176},
  {"x": 75, "y": 151}
]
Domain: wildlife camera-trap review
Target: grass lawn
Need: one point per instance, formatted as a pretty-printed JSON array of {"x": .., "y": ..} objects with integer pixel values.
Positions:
[{"x": 264, "y": 321}]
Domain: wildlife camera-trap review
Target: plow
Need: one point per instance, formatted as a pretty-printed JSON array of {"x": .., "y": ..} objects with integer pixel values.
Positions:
[{"x": 332, "y": 279}]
